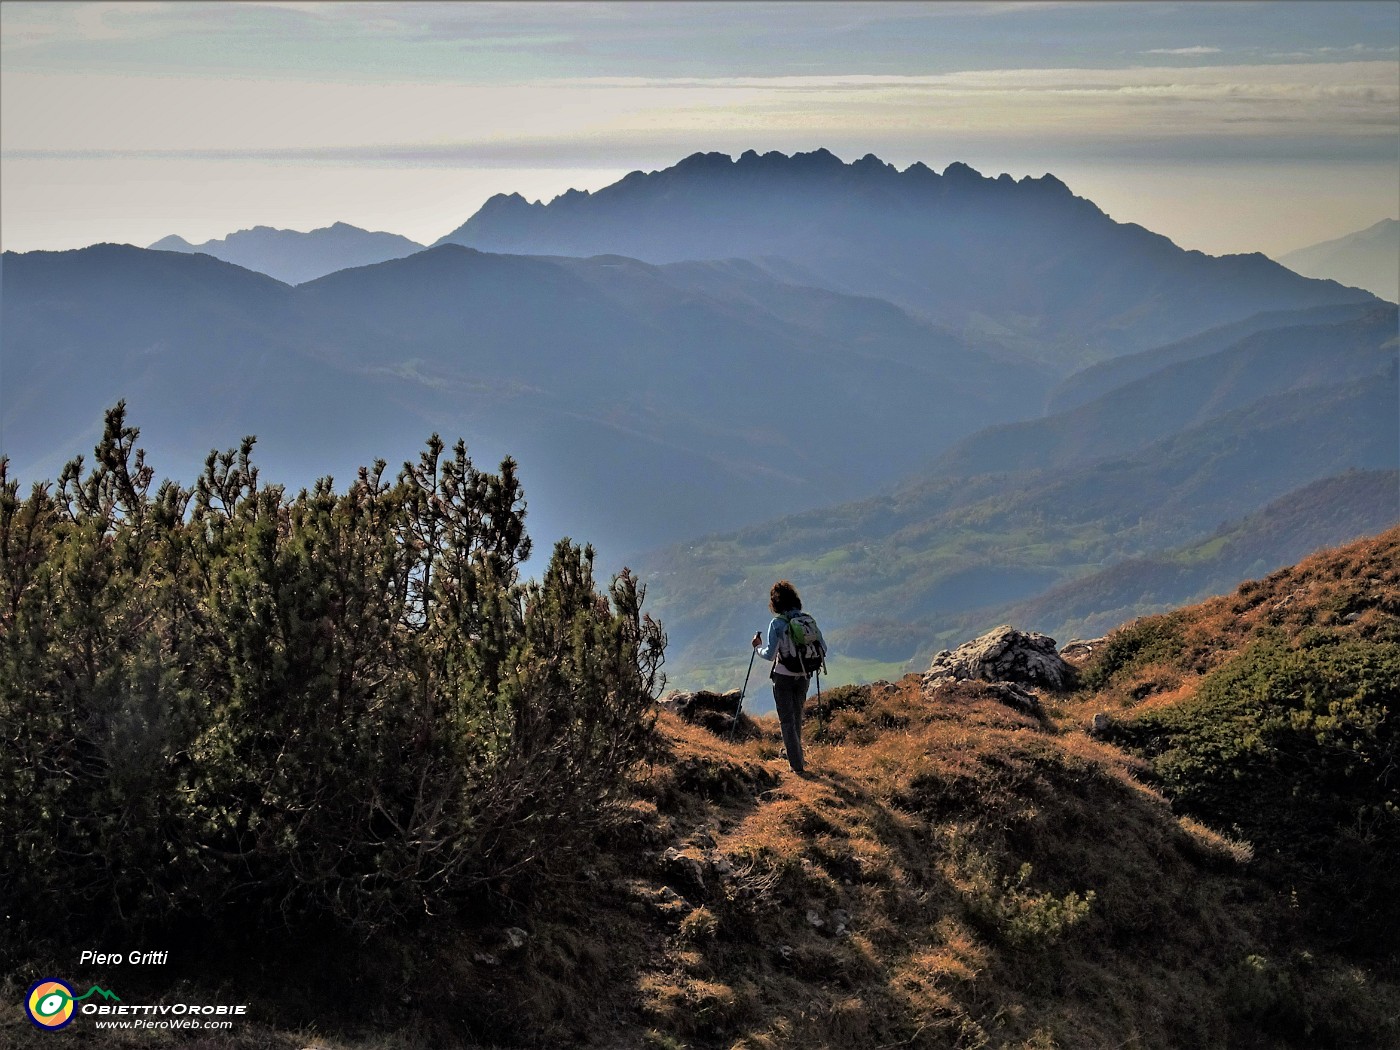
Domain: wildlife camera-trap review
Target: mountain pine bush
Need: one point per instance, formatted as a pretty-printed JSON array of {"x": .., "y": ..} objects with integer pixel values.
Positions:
[
  {"x": 230, "y": 701},
  {"x": 1296, "y": 749},
  {"x": 1269, "y": 714}
]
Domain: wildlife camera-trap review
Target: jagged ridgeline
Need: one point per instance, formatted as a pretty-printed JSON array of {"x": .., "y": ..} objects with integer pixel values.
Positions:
[{"x": 345, "y": 707}]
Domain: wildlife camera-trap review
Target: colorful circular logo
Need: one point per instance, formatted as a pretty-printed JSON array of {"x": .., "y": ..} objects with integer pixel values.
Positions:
[{"x": 50, "y": 1004}]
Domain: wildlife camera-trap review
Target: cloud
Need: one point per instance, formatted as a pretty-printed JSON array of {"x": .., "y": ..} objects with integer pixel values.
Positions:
[
  {"x": 461, "y": 124},
  {"x": 1199, "y": 49},
  {"x": 105, "y": 21}
]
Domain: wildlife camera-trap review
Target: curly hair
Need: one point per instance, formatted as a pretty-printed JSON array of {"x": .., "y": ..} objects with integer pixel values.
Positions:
[{"x": 783, "y": 598}]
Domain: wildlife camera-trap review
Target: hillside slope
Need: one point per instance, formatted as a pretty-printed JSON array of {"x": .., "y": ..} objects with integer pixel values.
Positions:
[
  {"x": 1186, "y": 394},
  {"x": 953, "y": 873},
  {"x": 593, "y": 373},
  {"x": 1323, "y": 514},
  {"x": 1099, "y": 379},
  {"x": 1369, "y": 259},
  {"x": 900, "y": 572},
  {"x": 1270, "y": 712}
]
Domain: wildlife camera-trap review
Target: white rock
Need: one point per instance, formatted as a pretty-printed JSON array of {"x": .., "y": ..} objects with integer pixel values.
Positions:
[{"x": 1002, "y": 655}]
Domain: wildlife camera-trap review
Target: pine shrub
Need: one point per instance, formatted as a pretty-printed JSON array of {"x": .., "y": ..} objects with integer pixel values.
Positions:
[
  {"x": 1295, "y": 748},
  {"x": 233, "y": 702}
]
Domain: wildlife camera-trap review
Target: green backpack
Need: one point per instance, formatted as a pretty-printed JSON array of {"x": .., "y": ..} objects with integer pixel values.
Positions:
[{"x": 801, "y": 648}]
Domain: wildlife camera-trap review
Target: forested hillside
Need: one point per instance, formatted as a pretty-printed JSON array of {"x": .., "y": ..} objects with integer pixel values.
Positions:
[{"x": 1019, "y": 515}]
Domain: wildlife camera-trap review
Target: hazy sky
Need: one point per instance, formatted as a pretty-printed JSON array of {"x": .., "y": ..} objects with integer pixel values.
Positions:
[{"x": 1226, "y": 126}]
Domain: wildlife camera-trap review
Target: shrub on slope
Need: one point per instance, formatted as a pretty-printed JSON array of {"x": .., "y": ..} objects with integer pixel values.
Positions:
[
  {"x": 1272, "y": 712},
  {"x": 342, "y": 708}
]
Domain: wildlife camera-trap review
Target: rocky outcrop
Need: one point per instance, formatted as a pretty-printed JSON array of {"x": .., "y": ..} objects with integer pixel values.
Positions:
[
  {"x": 1077, "y": 652},
  {"x": 717, "y": 712},
  {"x": 1004, "y": 654}
]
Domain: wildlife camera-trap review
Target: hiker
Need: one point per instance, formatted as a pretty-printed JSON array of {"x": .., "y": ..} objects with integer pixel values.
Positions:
[{"x": 791, "y": 671}]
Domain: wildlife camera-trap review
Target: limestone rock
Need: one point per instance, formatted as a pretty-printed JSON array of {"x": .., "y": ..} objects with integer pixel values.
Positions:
[
  {"x": 1013, "y": 695},
  {"x": 1078, "y": 651},
  {"x": 1003, "y": 655}
]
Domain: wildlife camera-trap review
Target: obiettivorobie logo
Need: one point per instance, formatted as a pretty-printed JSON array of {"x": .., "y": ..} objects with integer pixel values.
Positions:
[{"x": 50, "y": 1003}]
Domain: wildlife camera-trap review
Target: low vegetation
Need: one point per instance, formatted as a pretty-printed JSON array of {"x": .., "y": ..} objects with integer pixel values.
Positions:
[
  {"x": 1271, "y": 713},
  {"x": 227, "y": 705},
  {"x": 1205, "y": 865}
]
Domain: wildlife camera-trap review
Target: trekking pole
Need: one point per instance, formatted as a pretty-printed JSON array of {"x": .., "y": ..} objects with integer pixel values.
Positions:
[{"x": 739, "y": 707}]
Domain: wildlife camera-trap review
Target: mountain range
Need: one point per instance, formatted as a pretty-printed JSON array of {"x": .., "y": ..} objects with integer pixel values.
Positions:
[
  {"x": 1369, "y": 259},
  {"x": 928, "y": 397},
  {"x": 294, "y": 257},
  {"x": 1025, "y": 263},
  {"x": 639, "y": 399}
]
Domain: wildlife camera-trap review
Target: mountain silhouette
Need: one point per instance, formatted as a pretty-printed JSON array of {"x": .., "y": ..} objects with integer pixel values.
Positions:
[
  {"x": 1369, "y": 259},
  {"x": 712, "y": 390},
  {"x": 1023, "y": 262},
  {"x": 294, "y": 257}
]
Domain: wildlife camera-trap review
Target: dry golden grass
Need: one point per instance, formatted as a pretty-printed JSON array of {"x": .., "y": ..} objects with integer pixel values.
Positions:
[
  {"x": 952, "y": 873},
  {"x": 1353, "y": 590}
]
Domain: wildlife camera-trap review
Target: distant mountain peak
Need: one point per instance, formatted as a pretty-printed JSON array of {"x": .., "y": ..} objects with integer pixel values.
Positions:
[
  {"x": 817, "y": 161},
  {"x": 1049, "y": 182},
  {"x": 1024, "y": 261},
  {"x": 505, "y": 202},
  {"x": 821, "y": 159},
  {"x": 959, "y": 170},
  {"x": 295, "y": 256},
  {"x": 1368, "y": 258},
  {"x": 873, "y": 165}
]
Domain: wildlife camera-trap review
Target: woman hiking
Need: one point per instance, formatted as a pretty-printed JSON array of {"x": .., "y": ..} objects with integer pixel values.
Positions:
[{"x": 789, "y": 684}]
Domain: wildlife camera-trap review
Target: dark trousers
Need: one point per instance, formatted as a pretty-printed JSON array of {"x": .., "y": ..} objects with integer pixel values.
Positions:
[{"x": 790, "y": 693}]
